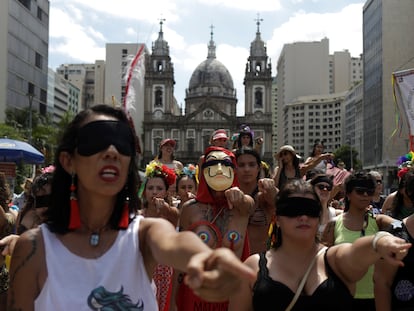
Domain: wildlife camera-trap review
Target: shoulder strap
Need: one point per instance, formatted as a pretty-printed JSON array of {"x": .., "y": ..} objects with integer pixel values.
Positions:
[{"x": 305, "y": 277}]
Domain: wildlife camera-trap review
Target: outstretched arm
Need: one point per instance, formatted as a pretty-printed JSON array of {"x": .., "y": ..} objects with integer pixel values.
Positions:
[
  {"x": 212, "y": 274},
  {"x": 351, "y": 261}
]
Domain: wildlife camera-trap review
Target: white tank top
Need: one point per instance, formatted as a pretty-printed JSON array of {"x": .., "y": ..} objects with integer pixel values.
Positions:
[{"x": 115, "y": 281}]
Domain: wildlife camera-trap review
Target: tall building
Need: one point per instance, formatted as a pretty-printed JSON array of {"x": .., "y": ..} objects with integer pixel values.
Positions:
[
  {"x": 388, "y": 47},
  {"x": 309, "y": 118},
  {"x": 306, "y": 74},
  {"x": 62, "y": 97},
  {"x": 352, "y": 123},
  {"x": 89, "y": 79},
  {"x": 24, "y": 34}
]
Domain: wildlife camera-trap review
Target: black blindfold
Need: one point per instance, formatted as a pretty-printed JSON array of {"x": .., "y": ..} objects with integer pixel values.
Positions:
[{"x": 99, "y": 135}]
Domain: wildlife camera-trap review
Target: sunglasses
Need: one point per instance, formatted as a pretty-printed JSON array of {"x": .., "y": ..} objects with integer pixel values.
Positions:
[
  {"x": 379, "y": 181},
  {"x": 323, "y": 187},
  {"x": 363, "y": 190}
]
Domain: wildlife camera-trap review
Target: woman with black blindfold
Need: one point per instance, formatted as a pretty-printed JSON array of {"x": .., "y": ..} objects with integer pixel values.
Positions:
[
  {"x": 357, "y": 221},
  {"x": 100, "y": 254},
  {"x": 299, "y": 272}
]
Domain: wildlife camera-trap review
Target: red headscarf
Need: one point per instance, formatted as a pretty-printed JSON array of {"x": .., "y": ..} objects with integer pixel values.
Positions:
[{"x": 203, "y": 191}]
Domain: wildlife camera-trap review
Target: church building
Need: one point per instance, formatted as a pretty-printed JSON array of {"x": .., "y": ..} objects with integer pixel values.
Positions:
[{"x": 210, "y": 102}]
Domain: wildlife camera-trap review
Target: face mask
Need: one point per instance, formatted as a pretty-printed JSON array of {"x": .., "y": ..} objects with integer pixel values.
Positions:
[
  {"x": 218, "y": 171},
  {"x": 97, "y": 136},
  {"x": 298, "y": 206}
]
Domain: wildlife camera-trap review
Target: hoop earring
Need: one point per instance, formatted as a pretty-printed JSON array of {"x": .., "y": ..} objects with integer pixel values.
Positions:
[{"x": 74, "y": 218}]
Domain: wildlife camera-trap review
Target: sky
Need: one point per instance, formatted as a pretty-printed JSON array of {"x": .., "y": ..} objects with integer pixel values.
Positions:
[{"x": 79, "y": 30}]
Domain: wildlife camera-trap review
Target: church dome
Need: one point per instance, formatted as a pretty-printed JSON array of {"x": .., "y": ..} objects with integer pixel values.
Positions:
[
  {"x": 211, "y": 73},
  {"x": 211, "y": 77}
]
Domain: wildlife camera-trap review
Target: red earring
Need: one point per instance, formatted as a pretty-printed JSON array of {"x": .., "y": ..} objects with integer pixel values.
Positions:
[
  {"x": 124, "y": 220},
  {"x": 74, "y": 220}
]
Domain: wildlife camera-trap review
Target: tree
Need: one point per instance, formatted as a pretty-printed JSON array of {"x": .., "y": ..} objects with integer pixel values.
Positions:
[{"x": 344, "y": 153}]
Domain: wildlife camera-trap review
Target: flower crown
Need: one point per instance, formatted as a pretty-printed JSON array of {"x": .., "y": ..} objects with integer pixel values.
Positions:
[
  {"x": 47, "y": 169},
  {"x": 189, "y": 170},
  {"x": 157, "y": 169},
  {"x": 404, "y": 163}
]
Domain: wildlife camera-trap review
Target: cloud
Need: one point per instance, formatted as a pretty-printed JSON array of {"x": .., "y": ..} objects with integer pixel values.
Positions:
[
  {"x": 76, "y": 42},
  {"x": 135, "y": 10},
  {"x": 246, "y": 5},
  {"x": 343, "y": 29}
]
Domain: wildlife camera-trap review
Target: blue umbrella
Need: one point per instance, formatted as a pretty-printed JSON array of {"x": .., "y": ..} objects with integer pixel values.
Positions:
[{"x": 17, "y": 151}]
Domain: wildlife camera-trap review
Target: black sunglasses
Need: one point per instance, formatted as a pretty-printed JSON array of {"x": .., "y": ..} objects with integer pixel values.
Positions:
[
  {"x": 379, "y": 181},
  {"x": 323, "y": 187},
  {"x": 362, "y": 190}
]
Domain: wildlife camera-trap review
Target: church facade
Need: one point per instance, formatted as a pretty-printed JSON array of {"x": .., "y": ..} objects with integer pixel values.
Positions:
[{"x": 210, "y": 102}]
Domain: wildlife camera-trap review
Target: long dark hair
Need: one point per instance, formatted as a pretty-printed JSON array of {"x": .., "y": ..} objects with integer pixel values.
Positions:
[
  {"x": 353, "y": 180},
  {"x": 317, "y": 142},
  {"x": 59, "y": 211},
  {"x": 297, "y": 187}
]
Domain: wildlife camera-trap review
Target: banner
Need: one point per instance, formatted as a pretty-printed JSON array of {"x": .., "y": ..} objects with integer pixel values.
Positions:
[{"x": 403, "y": 88}]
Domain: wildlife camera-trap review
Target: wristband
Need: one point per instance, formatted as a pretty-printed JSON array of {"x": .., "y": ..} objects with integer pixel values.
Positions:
[{"x": 379, "y": 235}]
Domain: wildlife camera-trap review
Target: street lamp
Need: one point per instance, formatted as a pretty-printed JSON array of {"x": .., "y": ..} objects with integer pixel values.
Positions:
[{"x": 31, "y": 96}]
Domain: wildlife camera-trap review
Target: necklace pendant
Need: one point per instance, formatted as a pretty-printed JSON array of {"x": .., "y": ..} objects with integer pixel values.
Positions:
[{"x": 94, "y": 239}]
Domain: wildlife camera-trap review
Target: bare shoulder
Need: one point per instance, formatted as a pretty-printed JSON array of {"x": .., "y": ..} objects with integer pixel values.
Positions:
[
  {"x": 384, "y": 221},
  {"x": 28, "y": 270},
  {"x": 30, "y": 243},
  {"x": 253, "y": 261},
  {"x": 388, "y": 201}
]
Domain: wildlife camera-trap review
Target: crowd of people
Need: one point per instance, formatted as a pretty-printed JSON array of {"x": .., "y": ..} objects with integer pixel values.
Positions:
[{"x": 226, "y": 233}]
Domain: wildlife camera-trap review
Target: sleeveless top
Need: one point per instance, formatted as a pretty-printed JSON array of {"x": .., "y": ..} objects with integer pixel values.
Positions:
[
  {"x": 268, "y": 294},
  {"x": 402, "y": 288},
  {"x": 365, "y": 286},
  {"x": 283, "y": 179},
  {"x": 117, "y": 280}
]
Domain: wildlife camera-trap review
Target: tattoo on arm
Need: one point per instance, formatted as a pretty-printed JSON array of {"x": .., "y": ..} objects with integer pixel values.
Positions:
[{"x": 21, "y": 265}]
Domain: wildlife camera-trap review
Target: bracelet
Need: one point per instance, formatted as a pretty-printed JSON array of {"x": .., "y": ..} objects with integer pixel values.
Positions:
[{"x": 377, "y": 237}]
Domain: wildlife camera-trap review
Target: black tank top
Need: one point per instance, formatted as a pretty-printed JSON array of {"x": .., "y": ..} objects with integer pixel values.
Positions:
[
  {"x": 331, "y": 294},
  {"x": 402, "y": 288}
]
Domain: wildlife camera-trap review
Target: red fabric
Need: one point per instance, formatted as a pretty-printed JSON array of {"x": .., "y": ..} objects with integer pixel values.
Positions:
[
  {"x": 188, "y": 301},
  {"x": 203, "y": 191},
  {"x": 163, "y": 280}
]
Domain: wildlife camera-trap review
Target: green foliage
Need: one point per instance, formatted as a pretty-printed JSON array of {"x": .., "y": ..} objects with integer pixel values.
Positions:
[
  {"x": 344, "y": 153},
  {"x": 45, "y": 136}
]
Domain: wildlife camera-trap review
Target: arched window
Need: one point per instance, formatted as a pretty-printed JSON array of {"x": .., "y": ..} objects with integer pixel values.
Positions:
[
  {"x": 258, "y": 98},
  {"x": 158, "y": 97}
]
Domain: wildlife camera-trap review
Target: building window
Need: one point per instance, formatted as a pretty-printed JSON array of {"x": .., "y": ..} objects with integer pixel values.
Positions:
[
  {"x": 190, "y": 134},
  {"x": 158, "y": 97},
  {"x": 258, "y": 98},
  {"x": 30, "y": 88},
  {"x": 38, "y": 60},
  {"x": 26, "y": 3},
  {"x": 43, "y": 95},
  {"x": 39, "y": 13},
  {"x": 159, "y": 67}
]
